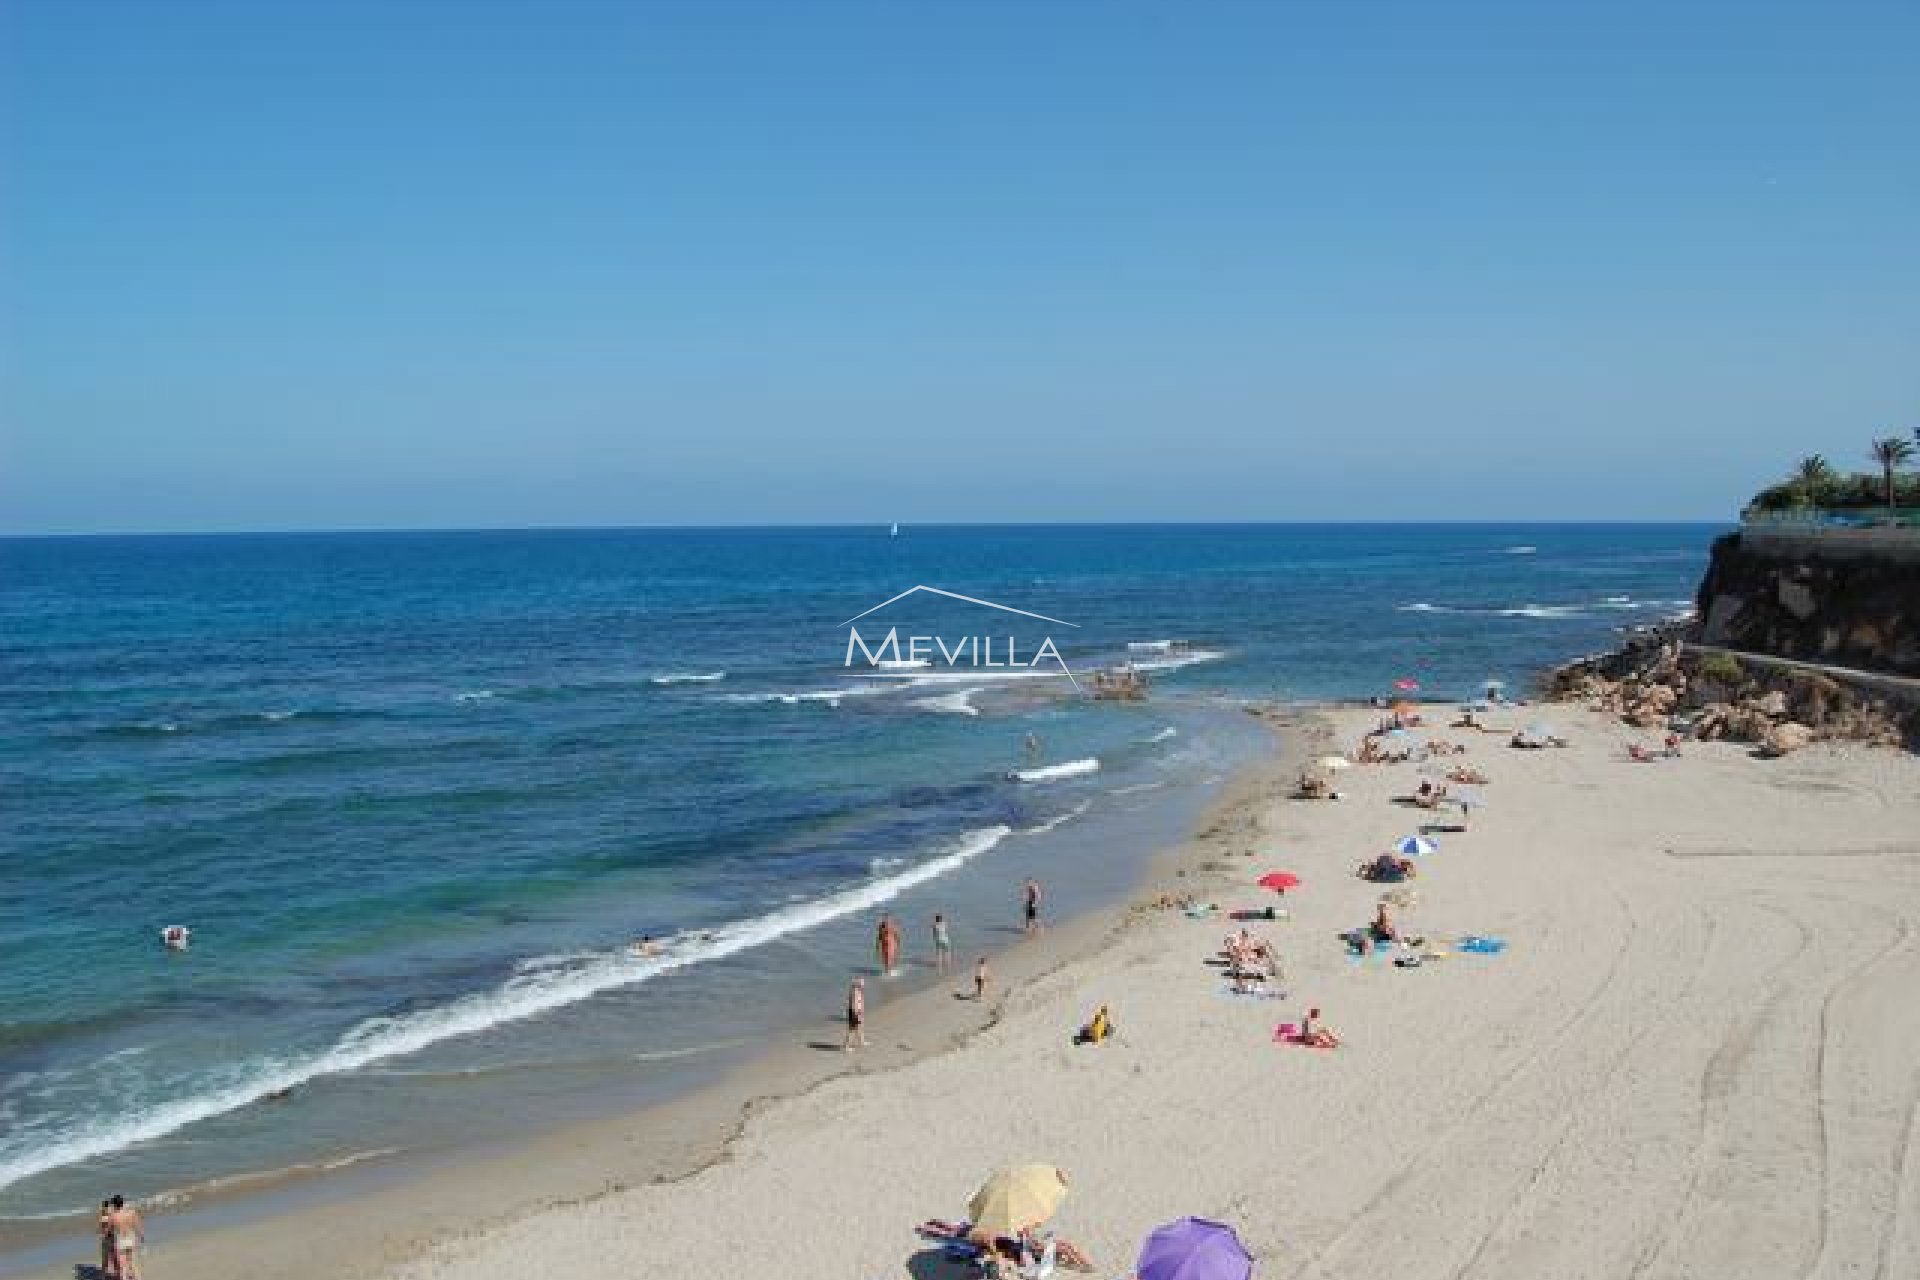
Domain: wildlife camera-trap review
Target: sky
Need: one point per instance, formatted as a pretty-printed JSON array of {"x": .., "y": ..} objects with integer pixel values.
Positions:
[{"x": 273, "y": 265}]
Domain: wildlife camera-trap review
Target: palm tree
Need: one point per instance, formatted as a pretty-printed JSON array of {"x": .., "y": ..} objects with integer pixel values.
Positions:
[
  {"x": 1890, "y": 453},
  {"x": 1811, "y": 476}
]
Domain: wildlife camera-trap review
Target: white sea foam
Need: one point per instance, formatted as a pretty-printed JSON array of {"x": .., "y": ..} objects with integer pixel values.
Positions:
[
  {"x": 1178, "y": 658},
  {"x": 1137, "y": 787},
  {"x": 1163, "y": 734},
  {"x": 678, "y": 677},
  {"x": 1522, "y": 550},
  {"x": 1511, "y": 611},
  {"x": 473, "y": 695},
  {"x": 1055, "y": 772},
  {"x": 538, "y": 988},
  {"x": 830, "y": 697},
  {"x": 1058, "y": 819},
  {"x": 975, "y": 675},
  {"x": 1542, "y": 611},
  {"x": 957, "y": 703}
]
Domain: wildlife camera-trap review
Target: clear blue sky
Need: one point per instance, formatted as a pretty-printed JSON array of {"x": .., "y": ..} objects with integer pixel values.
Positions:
[{"x": 275, "y": 265}]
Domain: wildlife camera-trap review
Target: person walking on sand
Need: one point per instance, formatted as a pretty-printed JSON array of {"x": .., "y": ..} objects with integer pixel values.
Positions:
[
  {"x": 129, "y": 1233},
  {"x": 942, "y": 945},
  {"x": 980, "y": 979},
  {"x": 856, "y": 1016},
  {"x": 887, "y": 942},
  {"x": 1033, "y": 906}
]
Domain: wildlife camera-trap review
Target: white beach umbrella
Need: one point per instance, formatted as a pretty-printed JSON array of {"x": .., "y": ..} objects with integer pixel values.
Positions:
[{"x": 1333, "y": 762}]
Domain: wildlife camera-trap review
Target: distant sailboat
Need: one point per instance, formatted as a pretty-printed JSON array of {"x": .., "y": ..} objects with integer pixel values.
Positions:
[{"x": 896, "y": 530}]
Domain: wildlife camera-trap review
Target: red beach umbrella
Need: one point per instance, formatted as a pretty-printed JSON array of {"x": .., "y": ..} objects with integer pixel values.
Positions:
[{"x": 1279, "y": 881}]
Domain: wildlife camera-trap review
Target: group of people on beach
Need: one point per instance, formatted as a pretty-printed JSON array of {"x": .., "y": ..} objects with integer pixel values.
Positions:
[
  {"x": 121, "y": 1235},
  {"x": 887, "y": 945}
]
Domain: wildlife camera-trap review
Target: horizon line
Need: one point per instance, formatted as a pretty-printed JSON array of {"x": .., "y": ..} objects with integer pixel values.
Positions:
[{"x": 823, "y": 525}]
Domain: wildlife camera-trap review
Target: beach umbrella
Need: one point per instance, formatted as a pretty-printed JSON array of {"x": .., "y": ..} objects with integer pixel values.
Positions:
[
  {"x": 1416, "y": 847},
  {"x": 1017, "y": 1197},
  {"x": 1279, "y": 881},
  {"x": 1194, "y": 1249},
  {"x": 1333, "y": 762}
]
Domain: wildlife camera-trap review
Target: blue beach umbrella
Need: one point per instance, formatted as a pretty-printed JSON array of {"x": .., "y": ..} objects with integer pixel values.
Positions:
[{"x": 1416, "y": 847}]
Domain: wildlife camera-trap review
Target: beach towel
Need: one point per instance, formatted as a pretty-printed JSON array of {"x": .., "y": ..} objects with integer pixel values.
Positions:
[
  {"x": 1483, "y": 946},
  {"x": 1288, "y": 1033}
]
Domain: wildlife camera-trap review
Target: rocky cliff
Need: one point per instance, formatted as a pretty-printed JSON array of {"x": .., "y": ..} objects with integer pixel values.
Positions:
[
  {"x": 1801, "y": 599},
  {"x": 1784, "y": 597}
]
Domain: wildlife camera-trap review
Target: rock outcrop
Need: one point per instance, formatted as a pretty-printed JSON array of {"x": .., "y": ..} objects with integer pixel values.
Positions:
[
  {"x": 1654, "y": 684},
  {"x": 1794, "y": 597}
]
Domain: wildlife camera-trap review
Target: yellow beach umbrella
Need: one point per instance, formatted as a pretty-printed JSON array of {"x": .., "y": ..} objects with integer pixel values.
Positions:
[{"x": 1017, "y": 1197}]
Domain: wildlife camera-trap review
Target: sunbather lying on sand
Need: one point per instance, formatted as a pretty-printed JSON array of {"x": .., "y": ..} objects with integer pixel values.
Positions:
[
  {"x": 1312, "y": 788},
  {"x": 1033, "y": 1246},
  {"x": 1467, "y": 777},
  {"x": 1386, "y": 869}
]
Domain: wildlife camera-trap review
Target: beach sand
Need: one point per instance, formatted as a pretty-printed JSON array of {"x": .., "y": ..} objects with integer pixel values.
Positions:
[{"x": 1698, "y": 1056}]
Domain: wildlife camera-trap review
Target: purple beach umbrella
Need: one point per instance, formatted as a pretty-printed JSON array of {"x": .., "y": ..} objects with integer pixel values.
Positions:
[{"x": 1194, "y": 1249}]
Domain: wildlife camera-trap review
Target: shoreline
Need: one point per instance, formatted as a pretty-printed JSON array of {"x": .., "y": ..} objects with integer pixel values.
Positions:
[
  {"x": 1696, "y": 1019},
  {"x": 372, "y": 1214}
]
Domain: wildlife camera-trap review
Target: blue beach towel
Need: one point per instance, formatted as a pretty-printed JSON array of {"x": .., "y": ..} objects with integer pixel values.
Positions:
[{"x": 1483, "y": 946}]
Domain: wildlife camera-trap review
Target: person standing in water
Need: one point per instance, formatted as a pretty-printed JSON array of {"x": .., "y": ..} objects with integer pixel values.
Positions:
[
  {"x": 887, "y": 943},
  {"x": 1032, "y": 906},
  {"x": 856, "y": 1016},
  {"x": 1033, "y": 748},
  {"x": 942, "y": 945}
]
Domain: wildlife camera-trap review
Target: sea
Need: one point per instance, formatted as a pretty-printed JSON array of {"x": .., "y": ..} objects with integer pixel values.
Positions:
[{"x": 418, "y": 795}]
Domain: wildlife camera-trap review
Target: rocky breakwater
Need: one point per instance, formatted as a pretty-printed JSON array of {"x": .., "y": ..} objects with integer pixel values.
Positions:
[{"x": 1654, "y": 682}]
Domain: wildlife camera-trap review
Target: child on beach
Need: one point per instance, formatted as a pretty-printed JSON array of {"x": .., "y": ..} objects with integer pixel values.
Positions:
[{"x": 980, "y": 979}]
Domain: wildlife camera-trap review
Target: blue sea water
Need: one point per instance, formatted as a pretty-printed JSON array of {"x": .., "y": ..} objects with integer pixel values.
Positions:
[{"x": 415, "y": 793}]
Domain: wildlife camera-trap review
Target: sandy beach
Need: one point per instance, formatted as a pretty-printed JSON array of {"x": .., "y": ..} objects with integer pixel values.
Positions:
[{"x": 1694, "y": 1058}]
